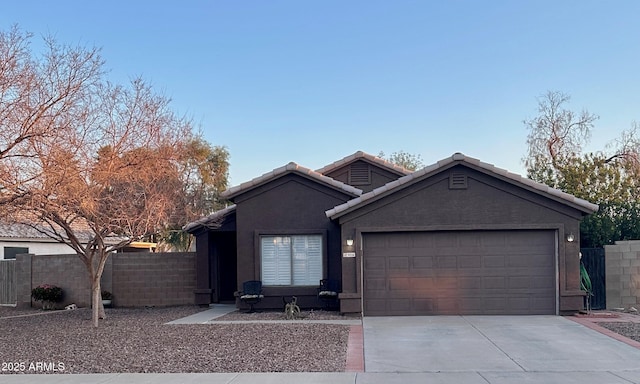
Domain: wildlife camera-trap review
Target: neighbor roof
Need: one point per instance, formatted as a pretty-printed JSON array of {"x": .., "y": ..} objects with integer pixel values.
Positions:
[
  {"x": 290, "y": 168},
  {"x": 20, "y": 231},
  {"x": 367, "y": 157},
  {"x": 459, "y": 158},
  {"x": 25, "y": 227}
]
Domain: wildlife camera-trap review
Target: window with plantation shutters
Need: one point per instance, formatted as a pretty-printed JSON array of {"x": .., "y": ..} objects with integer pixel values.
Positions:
[{"x": 291, "y": 260}]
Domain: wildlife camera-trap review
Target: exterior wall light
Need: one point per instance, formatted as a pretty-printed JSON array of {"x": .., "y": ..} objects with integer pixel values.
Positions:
[
  {"x": 349, "y": 242},
  {"x": 570, "y": 238}
]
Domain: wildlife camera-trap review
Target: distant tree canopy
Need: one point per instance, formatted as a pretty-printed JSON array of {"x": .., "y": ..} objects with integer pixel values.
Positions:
[
  {"x": 404, "y": 159},
  {"x": 611, "y": 180},
  {"x": 92, "y": 164}
]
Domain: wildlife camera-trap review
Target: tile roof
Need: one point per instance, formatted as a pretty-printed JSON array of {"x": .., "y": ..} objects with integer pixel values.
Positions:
[
  {"x": 290, "y": 168},
  {"x": 211, "y": 221},
  {"x": 16, "y": 230},
  {"x": 365, "y": 156},
  {"x": 20, "y": 231},
  {"x": 459, "y": 158}
]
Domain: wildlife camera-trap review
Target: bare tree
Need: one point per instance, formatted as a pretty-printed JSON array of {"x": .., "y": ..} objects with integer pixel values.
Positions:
[
  {"x": 556, "y": 132},
  {"x": 97, "y": 169},
  {"x": 39, "y": 99},
  {"x": 608, "y": 178},
  {"x": 404, "y": 159}
]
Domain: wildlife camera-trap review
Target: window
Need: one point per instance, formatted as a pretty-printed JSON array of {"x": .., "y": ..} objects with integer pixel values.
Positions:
[
  {"x": 11, "y": 252},
  {"x": 291, "y": 260}
]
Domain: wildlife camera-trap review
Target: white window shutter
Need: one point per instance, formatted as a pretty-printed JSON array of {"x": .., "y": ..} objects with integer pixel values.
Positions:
[
  {"x": 276, "y": 260},
  {"x": 307, "y": 260}
]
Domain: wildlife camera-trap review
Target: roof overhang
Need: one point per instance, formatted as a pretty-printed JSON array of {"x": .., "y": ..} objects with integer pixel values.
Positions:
[{"x": 213, "y": 221}]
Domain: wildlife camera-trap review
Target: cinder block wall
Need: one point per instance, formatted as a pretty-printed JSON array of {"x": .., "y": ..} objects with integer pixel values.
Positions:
[
  {"x": 65, "y": 271},
  {"x": 153, "y": 279},
  {"x": 135, "y": 279},
  {"x": 623, "y": 274}
]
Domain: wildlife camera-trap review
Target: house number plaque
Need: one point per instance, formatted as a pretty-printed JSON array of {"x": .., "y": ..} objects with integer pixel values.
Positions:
[{"x": 349, "y": 254}]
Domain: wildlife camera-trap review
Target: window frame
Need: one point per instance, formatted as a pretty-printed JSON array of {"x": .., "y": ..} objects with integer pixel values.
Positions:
[
  {"x": 259, "y": 234},
  {"x": 4, "y": 252}
]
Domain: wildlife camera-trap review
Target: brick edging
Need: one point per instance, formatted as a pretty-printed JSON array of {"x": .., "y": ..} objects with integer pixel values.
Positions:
[
  {"x": 591, "y": 324},
  {"x": 355, "y": 350}
]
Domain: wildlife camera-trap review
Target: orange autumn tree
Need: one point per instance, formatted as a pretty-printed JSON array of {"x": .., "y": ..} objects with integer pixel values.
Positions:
[{"x": 92, "y": 165}]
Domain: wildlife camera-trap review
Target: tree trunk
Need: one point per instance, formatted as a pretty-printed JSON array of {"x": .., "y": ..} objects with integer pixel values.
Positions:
[{"x": 96, "y": 302}]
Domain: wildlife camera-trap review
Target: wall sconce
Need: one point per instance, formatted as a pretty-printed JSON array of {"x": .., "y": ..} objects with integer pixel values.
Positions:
[
  {"x": 570, "y": 238},
  {"x": 349, "y": 242}
]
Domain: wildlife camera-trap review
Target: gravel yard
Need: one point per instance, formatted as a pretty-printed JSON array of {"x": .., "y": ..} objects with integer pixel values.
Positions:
[
  {"x": 138, "y": 340},
  {"x": 629, "y": 330}
]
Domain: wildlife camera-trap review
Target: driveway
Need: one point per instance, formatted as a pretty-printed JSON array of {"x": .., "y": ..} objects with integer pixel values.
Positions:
[{"x": 497, "y": 347}]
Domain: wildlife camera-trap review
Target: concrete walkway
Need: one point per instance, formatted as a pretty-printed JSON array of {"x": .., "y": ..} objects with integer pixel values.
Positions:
[{"x": 218, "y": 310}]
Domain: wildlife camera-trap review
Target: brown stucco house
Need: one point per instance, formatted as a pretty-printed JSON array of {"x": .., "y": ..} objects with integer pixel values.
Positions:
[{"x": 457, "y": 237}]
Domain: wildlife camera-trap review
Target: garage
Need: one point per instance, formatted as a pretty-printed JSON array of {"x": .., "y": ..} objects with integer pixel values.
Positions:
[{"x": 495, "y": 272}]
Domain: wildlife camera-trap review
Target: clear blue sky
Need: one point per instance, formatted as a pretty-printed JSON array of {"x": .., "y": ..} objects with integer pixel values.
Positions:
[{"x": 315, "y": 81}]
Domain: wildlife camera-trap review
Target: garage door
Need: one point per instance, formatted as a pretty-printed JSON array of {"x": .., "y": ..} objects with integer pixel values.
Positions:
[{"x": 459, "y": 272}]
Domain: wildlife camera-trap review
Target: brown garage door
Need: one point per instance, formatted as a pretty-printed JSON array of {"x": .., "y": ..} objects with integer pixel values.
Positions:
[{"x": 459, "y": 272}]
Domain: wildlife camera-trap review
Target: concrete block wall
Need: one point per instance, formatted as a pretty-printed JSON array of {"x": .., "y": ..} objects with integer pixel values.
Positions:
[
  {"x": 153, "y": 279},
  {"x": 135, "y": 279},
  {"x": 622, "y": 261},
  {"x": 65, "y": 271}
]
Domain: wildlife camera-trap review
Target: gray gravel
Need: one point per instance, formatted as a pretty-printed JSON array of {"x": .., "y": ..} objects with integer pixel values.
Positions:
[
  {"x": 630, "y": 330},
  {"x": 138, "y": 340}
]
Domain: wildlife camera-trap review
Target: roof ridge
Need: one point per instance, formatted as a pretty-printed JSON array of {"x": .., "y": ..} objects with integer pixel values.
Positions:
[
  {"x": 290, "y": 167},
  {"x": 363, "y": 155},
  {"x": 461, "y": 158}
]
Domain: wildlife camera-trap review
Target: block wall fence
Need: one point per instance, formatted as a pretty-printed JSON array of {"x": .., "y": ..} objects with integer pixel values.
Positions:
[
  {"x": 135, "y": 279},
  {"x": 622, "y": 261}
]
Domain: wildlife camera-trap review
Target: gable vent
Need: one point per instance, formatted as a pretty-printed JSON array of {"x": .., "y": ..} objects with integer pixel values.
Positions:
[
  {"x": 359, "y": 174},
  {"x": 457, "y": 180}
]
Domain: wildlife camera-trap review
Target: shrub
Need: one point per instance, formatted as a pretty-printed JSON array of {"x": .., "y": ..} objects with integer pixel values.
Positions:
[
  {"x": 106, "y": 295},
  {"x": 47, "y": 292}
]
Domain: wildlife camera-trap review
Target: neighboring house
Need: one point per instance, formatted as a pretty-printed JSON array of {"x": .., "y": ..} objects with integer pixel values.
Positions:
[
  {"x": 17, "y": 238},
  {"x": 457, "y": 237}
]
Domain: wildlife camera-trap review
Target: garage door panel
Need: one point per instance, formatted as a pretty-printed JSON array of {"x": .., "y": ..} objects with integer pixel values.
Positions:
[
  {"x": 375, "y": 262},
  {"x": 400, "y": 284},
  {"x": 482, "y": 272},
  {"x": 373, "y": 284},
  {"x": 443, "y": 262},
  {"x": 497, "y": 282},
  {"x": 469, "y": 261},
  {"x": 420, "y": 262},
  {"x": 470, "y": 283},
  {"x": 398, "y": 263},
  {"x": 492, "y": 261}
]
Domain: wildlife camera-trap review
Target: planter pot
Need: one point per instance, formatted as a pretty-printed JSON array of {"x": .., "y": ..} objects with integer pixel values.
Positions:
[{"x": 106, "y": 303}]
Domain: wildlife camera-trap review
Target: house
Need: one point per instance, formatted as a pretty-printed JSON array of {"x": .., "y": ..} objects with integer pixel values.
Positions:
[
  {"x": 457, "y": 237},
  {"x": 17, "y": 238}
]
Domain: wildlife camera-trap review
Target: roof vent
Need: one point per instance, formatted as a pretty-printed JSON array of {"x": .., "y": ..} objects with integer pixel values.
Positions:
[
  {"x": 457, "y": 180},
  {"x": 359, "y": 174}
]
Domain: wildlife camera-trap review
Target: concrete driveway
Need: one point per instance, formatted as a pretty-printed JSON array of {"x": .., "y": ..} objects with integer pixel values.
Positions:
[{"x": 497, "y": 349}]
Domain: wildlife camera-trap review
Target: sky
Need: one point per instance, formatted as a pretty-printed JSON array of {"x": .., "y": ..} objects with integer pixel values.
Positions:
[{"x": 315, "y": 81}]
